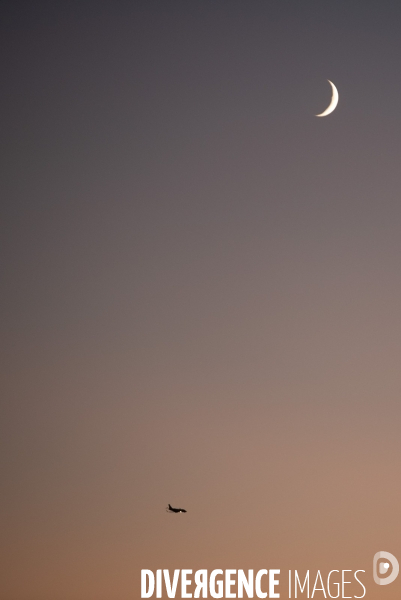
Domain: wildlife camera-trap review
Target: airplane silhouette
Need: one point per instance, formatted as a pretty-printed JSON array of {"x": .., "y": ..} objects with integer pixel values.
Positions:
[{"x": 175, "y": 510}]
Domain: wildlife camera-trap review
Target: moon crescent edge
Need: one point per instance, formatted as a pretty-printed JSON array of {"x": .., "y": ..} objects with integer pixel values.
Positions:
[{"x": 333, "y": 102}]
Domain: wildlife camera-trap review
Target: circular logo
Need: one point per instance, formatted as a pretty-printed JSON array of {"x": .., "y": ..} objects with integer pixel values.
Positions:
[{"x": 384, "y": 567}]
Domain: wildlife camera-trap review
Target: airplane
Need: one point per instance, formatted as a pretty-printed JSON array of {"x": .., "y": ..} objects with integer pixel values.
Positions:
[{"x": 175, "y": 510}]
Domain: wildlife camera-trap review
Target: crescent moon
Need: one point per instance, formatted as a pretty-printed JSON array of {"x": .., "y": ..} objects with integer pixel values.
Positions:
[{"x": 333, "y": 103}]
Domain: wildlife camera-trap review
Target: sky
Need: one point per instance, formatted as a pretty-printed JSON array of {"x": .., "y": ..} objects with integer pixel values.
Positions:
[{"x": 201, "y": 290}]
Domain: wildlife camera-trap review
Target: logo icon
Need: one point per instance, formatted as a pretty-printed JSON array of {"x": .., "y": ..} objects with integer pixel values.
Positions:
[{"x": 387, "y": 560}]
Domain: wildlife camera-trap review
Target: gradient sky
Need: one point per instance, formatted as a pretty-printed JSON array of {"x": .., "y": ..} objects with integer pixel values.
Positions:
[{"x": 201, "y": 290}]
